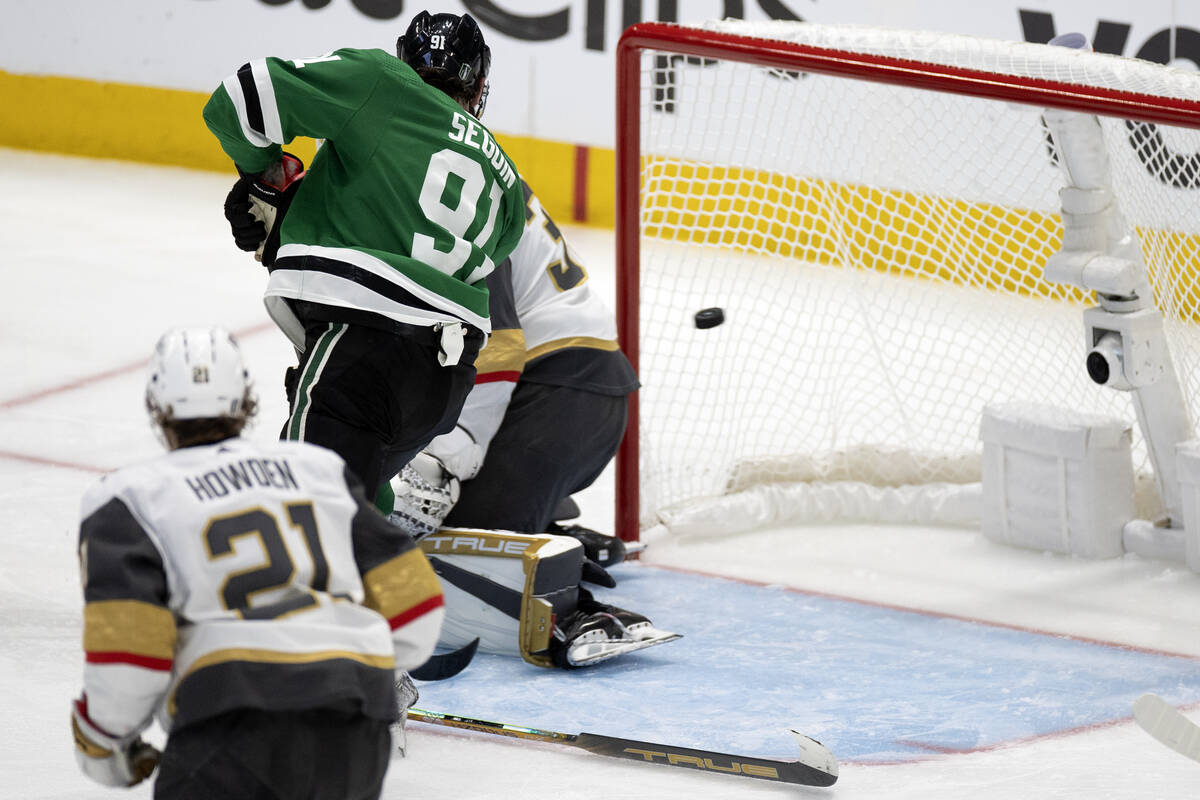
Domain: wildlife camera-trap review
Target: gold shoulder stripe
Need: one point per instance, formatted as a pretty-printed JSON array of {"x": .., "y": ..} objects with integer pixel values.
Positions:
[
  {"x": 402, "y": 583},
  {"x": 588, "y": 342},
  {"x": 504, "y": 352},
  {"x": 129, "y": 626}
]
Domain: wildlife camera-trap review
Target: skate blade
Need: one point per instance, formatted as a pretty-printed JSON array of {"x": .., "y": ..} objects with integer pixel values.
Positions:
[{"x": 588, "y": 653}]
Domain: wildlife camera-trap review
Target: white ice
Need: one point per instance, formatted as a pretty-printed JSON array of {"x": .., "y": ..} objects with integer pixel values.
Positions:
[{"x": 101, "y": 257}]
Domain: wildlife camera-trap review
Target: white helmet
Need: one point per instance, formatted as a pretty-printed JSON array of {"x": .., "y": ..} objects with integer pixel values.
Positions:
[{"x": 198, "y": 373}]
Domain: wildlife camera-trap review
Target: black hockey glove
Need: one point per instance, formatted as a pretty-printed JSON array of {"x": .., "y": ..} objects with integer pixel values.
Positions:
[
  {"x": 248, "y": 230},
  {"x": 256, "y": 205}
]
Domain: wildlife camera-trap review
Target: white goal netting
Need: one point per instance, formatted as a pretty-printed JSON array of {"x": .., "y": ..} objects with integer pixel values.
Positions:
[{"x": 877, "y": 250}]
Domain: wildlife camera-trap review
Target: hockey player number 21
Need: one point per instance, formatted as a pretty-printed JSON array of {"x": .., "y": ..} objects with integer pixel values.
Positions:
[
  {"x": 239, "y": 588},
  {"x": 457, "y": 218}
]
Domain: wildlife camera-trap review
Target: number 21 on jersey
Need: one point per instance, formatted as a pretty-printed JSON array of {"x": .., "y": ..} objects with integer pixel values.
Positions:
[{"x": 278, "y": 571}]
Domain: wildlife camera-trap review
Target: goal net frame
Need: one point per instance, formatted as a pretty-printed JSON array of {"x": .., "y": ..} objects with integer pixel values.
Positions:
[{"x": 707, "y": 43}]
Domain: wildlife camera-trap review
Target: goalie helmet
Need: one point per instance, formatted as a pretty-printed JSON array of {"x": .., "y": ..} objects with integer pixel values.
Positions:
[
  {"x": 198, "y": 373},
  {"x": 448, "y": 51}
]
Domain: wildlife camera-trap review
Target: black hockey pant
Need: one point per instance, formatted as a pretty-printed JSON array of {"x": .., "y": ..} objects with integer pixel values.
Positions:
[
  {"x": 553, "y": 442},
  {"x": 375, "y": 397},
  {"x": 268, "y": 755}
]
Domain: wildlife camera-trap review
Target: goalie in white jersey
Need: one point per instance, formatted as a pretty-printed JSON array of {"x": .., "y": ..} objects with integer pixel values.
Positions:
[
  {"x": 250, "y": 596},
  {"x": 550, "y": 401},
  {"x": 545, "y": 417}
]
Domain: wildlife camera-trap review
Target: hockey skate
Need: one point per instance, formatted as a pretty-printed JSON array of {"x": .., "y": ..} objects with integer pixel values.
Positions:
[
  {"x": 596, "y": 632},
  {"x": 406, "y": 697},
  {"x": 598, "y": 547}
]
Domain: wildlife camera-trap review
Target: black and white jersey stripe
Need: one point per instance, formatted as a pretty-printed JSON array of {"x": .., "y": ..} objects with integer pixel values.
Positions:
[
  {"x": 353, "y": 279},
  {"x": 253, "y": 98}
]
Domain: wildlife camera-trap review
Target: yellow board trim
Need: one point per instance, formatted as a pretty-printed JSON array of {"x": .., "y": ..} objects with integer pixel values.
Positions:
[
  {"x": 984, "y": 245},
  {"x": 101, "y": 119},
  {"x": 820, "y": 221},
  {"x": 547, "y": 167},
  {"x": 601, "y": 188},
  {"x": 113, "y": 120},
  {"x": 688, "y": 201}
]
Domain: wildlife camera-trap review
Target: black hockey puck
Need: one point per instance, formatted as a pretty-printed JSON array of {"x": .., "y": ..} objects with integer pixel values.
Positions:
[{"x": 710, "y": 317}]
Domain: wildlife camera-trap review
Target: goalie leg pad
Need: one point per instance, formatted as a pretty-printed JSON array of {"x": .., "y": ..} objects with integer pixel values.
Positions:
[
  {"x": 505, "y": 588},
  {"x": 519, "y": 594}
]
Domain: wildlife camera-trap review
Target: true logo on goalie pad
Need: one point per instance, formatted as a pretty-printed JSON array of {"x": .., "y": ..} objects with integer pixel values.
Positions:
[
  {"x": 496, "y": 545},
  {"x": 504, "y": 588}
]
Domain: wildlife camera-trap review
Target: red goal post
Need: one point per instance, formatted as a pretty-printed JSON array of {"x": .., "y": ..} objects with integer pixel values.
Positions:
[{"x": 657, "y": 53}]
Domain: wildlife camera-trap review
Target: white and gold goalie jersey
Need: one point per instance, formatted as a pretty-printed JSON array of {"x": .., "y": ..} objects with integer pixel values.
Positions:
[
  {"x": 246, "y": 575},
  {"x": 548, "y": 327}
]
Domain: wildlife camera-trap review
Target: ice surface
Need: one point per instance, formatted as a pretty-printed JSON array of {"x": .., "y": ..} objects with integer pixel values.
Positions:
[{"x": 869, "y": 638}]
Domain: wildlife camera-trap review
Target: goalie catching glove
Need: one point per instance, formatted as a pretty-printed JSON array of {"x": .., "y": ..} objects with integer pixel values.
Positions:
[
  {"x": 425, "y": 492},
  {"x": 110, "y": 760},
  {"x": 256, "y": 204}
]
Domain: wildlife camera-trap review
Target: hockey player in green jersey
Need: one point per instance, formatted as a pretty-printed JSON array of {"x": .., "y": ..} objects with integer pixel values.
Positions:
[
  {"x": 378, "y": 267},
  {"x": 546, "y": 416},
  {"x": 548, "y": 410}
]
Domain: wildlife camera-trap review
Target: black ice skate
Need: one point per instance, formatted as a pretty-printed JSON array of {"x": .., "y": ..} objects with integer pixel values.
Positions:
[{"x": 596, "y": 632}]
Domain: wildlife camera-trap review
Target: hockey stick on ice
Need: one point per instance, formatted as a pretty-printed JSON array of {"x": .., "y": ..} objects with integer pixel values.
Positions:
[
  {"x": 815, "y": 767},
  {"x": 1165, "y": 723},
  {"x": 446, "y": 665}
]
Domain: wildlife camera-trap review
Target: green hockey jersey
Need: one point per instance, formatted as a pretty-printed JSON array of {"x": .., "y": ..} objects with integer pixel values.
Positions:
[{"x": 409, "y": 202}]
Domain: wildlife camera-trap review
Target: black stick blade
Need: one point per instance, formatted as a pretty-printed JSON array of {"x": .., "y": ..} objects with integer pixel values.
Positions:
[
  {"x": 446, "y": 665},
  {"x": 822, "y": 773}
]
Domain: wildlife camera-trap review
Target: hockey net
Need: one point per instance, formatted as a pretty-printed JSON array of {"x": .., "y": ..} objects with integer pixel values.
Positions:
[{"x": 872, "y": 210}]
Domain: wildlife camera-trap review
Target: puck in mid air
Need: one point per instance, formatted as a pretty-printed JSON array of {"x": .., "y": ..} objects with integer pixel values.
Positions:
[{"x": 709, "y": 317}]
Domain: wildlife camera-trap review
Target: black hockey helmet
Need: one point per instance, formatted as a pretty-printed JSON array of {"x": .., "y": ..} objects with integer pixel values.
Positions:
[{"x": 448, "y": 51}]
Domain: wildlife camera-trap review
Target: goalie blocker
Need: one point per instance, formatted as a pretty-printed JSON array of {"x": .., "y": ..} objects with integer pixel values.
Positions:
[{"x": 520, "y": 594}]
